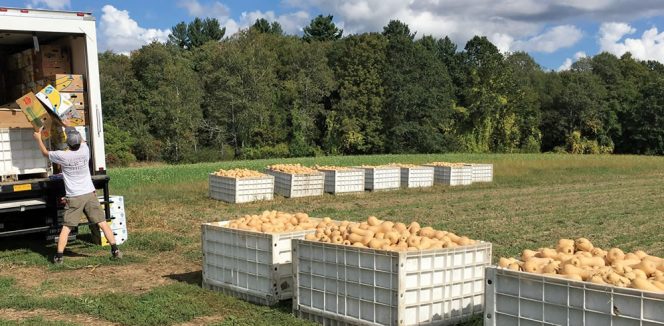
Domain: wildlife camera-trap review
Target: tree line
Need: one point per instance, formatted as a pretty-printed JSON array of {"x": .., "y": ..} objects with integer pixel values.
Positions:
[{"x": 260, "y": 94}]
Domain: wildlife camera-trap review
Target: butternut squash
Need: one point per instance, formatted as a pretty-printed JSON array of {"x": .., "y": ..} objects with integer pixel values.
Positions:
[
  {"x": 413, "y": 241},
  {"x": 597, "y": 279},
  {"x": 504, "y": 262},
  {"x": 527, "y": 254},
  {"x": 583, "y": 244},
  {"x": 533, "y": 266},
  {"x": 310, "y": 236},
  {"x": 570, "y": 269},
  {"x": 546, "y": 253},
  {"x": 641, "y": 254},
  {"x": 440, "y": 234},
  {"x": 425, "y": 243},
  {"x": 463, "y": 241},
  {"x": 387, "y": 226},
  {"x": 552, "y": 267},
  {"x": 427, "y": 231},
  {"x": 400, "y": 227},
  {"x": 414, "y": 227},
  {"x": 632, "y": 256},
  {"x": 644, "y": 284},
  {"x": 647, "y": 266},
  {"x": 658, "y": 284},
  {"x": 373, "y": 221}
]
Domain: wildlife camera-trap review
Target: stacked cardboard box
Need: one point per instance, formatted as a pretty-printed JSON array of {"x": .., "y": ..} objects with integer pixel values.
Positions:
[
  {"x": 27, "y": 71},
  {"x": 71, "y": 87}
]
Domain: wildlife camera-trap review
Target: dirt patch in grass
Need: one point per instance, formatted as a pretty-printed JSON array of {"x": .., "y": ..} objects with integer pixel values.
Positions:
[
  {"x": 134, "y": 278},
  {"x": 202, "y": 321},
  {"x": 50, "y": 315}
]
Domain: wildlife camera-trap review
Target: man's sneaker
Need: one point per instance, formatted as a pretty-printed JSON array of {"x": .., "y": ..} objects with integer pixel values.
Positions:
[
  {"x": 117, "y": 254},
  {"x": 58, "y": 260}
]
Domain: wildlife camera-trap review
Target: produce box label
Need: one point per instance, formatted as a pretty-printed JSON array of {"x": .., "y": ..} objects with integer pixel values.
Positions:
[
  {"x": 57, "y": 102},
  {"x": 68, "y": 83}
]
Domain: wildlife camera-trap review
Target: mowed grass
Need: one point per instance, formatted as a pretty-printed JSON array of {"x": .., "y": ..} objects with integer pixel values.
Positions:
[{"x": 535, "y": 199}]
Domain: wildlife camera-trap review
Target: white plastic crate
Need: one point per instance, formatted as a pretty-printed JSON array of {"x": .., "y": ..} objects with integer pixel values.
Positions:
[
  {"x": 382, "y": 178},
  {"x": 453, "y": 175},
  {"x": 417, "y": 177},
  {"x": 243, "y": 190},
  {"x": 482, "y": 172},
  {"x": 519, "y": 298},
  {"x": 118, "y": 222},
  {"x": 345, "y": 285},
  {"x": 117, "y": 210},
  {"x": 19, "y": 153},
  {"x": 297, "y": 185},
  {"x": 253, "y": 266},
  {"x": 343, "y": 181}
]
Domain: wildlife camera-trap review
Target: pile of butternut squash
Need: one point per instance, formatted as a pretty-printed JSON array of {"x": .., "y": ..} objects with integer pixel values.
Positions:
[
  {"x": 385, "y": 235},
  {"x": 580, "y": 260},
  {"x": 332, "y": 168},
  {"x": 239, "y": 173},
  {"x": 273, "y": 222},
  {"x": 405, "y": 165},
  {"x": 390, "y": 165},
  {"x": 291, "y": 168},
  {"x": 447, "y": 164}
]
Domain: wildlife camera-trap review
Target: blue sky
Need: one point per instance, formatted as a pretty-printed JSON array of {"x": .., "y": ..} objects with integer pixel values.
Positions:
[{"x": 554, "y": 32}]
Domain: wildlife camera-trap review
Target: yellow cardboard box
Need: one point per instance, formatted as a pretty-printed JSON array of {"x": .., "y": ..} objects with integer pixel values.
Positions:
[
  {"x": 35, "y": 113},
  {"x": 68, "y": 83},
  {"x": 57, "y": 102}
]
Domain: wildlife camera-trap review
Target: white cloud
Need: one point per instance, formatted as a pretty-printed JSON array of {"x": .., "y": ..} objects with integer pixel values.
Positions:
[
  {"x": 649, "y": 47},
  {"x": 510, "y": 24},
  {"x": 122, "y": 34},
  {"x": 51, "y": 4},
  {"x": 291, "y": 23},
  {"x": 215, "y": 10},
  {"x": 567, "y": 65},
  {"x": 555, "y": 38}
]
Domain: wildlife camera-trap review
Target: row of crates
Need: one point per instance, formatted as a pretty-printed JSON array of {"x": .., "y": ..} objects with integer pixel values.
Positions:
[
  {"x": 342, "y": 285},
  {"x": 244, "y": 190}
]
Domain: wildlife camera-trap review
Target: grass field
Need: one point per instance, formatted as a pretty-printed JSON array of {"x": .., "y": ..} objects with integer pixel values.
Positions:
[{"x": 533, "y": 201}]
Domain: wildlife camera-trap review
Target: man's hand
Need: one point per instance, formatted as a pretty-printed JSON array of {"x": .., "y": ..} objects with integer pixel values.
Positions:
[
  {"x": 40, "y": 143},
  {"x": 37, "y": 134}
]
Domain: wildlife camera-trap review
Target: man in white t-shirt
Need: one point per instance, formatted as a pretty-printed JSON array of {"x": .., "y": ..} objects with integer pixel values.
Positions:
[{"x": 81, "y": 197}]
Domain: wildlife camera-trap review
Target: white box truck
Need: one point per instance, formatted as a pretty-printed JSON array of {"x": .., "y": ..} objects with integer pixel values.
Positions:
[{"x": 30, "y": 193}]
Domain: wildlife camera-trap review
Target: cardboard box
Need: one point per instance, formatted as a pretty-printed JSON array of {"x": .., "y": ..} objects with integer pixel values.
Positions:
[
  {"x": 68, "y": 83},
  {"x": 12, "y": 117},
  {"x": 35, "y": 113},
  {"x": 76, "y": 99},
  {"x": 52, "y": 53},
  {"x": 75, "y": 118},
  {"x": 44, "y": 72},
  {"x": 57, "y": 102}
]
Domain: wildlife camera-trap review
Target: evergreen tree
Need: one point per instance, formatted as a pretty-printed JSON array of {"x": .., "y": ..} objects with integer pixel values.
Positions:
[{"x": 322, "y": 29}]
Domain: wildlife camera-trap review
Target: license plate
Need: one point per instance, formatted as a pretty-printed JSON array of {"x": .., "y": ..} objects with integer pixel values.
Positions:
[{"x": 24, "y": 187}]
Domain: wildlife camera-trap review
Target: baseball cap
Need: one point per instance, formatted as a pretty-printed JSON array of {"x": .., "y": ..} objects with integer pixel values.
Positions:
[{"x": 73, "y": 136}]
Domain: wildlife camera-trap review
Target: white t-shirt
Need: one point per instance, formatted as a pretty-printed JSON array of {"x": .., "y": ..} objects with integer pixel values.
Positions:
[{"x": 75, "y": 170}]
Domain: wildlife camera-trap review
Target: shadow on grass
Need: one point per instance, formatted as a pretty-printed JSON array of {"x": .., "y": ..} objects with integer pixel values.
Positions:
[{"x": 193, "y": 278}]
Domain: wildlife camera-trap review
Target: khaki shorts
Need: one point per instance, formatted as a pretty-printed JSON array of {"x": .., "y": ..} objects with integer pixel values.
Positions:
[{"x": 88, "y": 204}]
